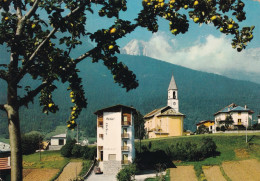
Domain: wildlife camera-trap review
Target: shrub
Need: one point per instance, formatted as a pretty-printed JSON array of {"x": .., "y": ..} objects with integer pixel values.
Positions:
[
  {"x": 127, "y": 173},
  {"x": 76, "y": 151},
  {"x": 71, "y": 149},
  {"x": 67, "y": 148},
  {"x": 31, "y": 143},
  {"x": 208, "y": 148},
  {"x": 202, "y": 129},
  {"x": 218, "y": 128},
  {"x": 222, "y": 128}
]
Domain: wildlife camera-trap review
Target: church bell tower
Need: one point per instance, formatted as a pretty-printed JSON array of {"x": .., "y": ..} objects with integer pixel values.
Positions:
[{"x": 173, "y": 95}]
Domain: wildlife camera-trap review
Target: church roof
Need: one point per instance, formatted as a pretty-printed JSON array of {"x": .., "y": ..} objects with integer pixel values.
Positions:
[
  {"x": 171, "y": 112},
  {"x": 154, "y": 112},
  {"x": 172, "y": 85},
  {"x": 164, "y": 111}
]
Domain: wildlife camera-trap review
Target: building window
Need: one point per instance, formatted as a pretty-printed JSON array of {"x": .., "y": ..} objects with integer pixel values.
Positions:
[
  {"x": 174, "y": 95},
  {"x": 101, "y": 136},
  {"x": 125, "y": 118},
  {"x": 239, "y": 121},
  {"x": 125, "y": 159},
  {"x": 61, "y": 141},
  {"x": 239, "y": 113}
]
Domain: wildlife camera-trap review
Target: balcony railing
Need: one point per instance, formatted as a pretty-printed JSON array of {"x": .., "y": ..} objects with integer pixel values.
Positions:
[
  {"x": 126, "y": 162},
  {"x": 125, "y": 135},
  {"x": 125, "y": 148},
  {"x": 126, "y": 123}
]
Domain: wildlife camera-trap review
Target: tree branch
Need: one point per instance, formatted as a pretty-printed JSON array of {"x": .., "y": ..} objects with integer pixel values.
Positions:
[
  {"x": 2, "y": 107},
  {"x": 31, "y": 94},
  {"x": 3, "y": 75},
  {"x": 32, "y": 10},
  {"x": 81, "y": 57},
  {"x": 18, "y": 9},
  {"x": 55, "y": 29}
]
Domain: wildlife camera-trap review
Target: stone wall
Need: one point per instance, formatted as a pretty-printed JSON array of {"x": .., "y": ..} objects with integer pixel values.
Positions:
[
  {"x": 55, "y": 147},
  {"x": 111, "y": 167}
]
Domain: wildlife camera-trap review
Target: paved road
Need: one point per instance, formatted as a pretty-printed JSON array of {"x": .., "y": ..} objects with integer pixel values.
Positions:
[{"x": 101, "y": 177}]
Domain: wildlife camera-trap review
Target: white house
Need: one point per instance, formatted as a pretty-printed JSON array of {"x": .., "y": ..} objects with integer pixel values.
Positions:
[
  {"x": 242, "y": 116},
  {"x": 115, "y": 137},
  {"x": 57, "y": 142}
]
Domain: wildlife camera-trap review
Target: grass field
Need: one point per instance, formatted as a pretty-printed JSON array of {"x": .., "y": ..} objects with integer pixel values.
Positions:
[
  {"x": 49, "y": 159},
  {"x": 232, "y": 147}
]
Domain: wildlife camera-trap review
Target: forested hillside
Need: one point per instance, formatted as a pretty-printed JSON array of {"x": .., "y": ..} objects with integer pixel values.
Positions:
[{"x": 200, "y": 94}]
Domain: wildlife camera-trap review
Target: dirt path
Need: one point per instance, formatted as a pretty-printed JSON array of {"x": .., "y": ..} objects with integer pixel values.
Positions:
[
  {"x": 39, "y": 174},
  {"x": 70, "y": 171},
  {"x": 213, "y": 173},
  {"x": 183, "y": 173},
  {"x": 242, "y": 170}
]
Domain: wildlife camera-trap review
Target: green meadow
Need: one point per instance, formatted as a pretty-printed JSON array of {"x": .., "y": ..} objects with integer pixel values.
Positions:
[{"x": 231, "y": 147}]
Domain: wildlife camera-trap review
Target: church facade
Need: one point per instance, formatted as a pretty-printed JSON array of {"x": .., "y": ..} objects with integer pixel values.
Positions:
[{"x": 166, "y": 121}]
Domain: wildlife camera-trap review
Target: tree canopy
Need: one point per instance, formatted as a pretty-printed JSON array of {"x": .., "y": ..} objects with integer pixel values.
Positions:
[{"x": 40, "y": 36}]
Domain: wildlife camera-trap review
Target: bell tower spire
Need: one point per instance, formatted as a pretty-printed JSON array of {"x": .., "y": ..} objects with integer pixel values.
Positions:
[{"x": 173, "y": 95}]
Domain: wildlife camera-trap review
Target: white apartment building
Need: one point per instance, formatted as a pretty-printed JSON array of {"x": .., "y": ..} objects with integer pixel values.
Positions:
[
  {"x": 242, "y": 116},
  {"x": 115, "y": 137}
]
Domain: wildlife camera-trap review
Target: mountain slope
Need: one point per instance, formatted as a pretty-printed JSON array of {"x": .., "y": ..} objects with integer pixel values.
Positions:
[{"x": 200, "y": 94}]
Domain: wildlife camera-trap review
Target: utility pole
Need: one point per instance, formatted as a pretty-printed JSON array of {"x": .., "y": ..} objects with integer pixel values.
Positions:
[{"x": 246, "y": 127}]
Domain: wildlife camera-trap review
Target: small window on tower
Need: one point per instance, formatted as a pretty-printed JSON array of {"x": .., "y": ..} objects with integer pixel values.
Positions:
[{"x": 174, "y": 96}]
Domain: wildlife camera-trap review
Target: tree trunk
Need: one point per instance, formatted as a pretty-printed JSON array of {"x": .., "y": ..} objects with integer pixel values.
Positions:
[{"x": 14, "y": 132}]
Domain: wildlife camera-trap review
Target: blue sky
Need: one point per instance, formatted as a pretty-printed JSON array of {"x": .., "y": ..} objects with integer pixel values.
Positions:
[{"x": 201, "y": 48}]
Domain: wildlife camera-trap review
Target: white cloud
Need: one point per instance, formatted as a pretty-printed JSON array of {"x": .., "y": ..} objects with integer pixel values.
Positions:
[{"x": 214, "y": 55}]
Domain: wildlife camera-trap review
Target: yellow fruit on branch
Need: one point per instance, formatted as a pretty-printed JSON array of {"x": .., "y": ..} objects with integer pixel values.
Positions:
[
  {"x": 221, "y": 29},
  {"x": 196, "y": 19},
  {"x": 68, "y": 125},
  {"x": 113, "y": 30},
  {"x": 213, "y": 18},
  {"x": 74, "y": 108},
  {"x": 50, "y": 105},
  {"x": 72, "y": 100},
  {"x": 33, "y": 25},
  {"x": 196, "y": 3},
  {"x": 230, "y": 26},
  {"x": 110, "y": 47},
  {"x": 186, "y": 6},
  {"x": 72, "y": 122},
  {"x": 6, "y": 18},
  {"x": 174, "y": 31}
]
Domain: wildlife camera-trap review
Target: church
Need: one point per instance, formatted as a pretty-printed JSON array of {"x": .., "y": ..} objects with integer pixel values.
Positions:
[{"x": 166, "y": 121}]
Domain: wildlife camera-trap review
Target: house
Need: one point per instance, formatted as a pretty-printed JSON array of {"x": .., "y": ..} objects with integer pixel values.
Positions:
[
  {"x": 209, "y": 124},
  {"x": 115, "y": 137},
  {"x": 241, "y": 116},
  {"x": 166, "y": 121},
  {"x": 57, "y": 142},
  {"x": 5, "y": 161}
]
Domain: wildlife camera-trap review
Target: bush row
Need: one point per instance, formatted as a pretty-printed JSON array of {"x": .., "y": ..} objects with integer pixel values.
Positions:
[{"x": 71, "y": 149}]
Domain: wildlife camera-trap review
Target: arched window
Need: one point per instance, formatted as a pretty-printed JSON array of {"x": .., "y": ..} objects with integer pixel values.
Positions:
[{"x": 174, "y": 95}]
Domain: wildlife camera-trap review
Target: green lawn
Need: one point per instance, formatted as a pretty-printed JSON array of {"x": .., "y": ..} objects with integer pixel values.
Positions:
[
  {"x": 49, "y": 159},
  {"x": 226, "y": 146}
]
